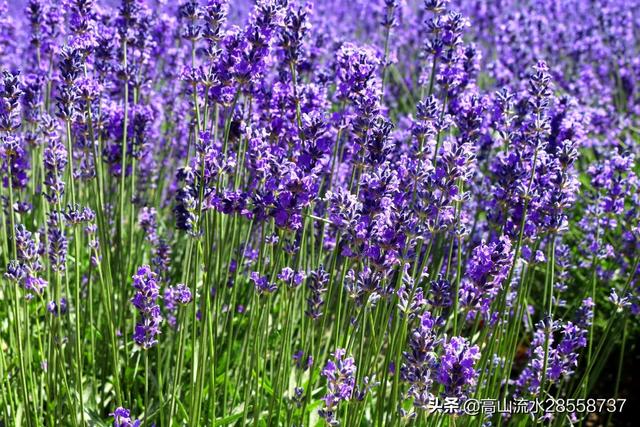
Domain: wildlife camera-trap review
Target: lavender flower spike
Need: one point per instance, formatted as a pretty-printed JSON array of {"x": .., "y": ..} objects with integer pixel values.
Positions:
[
  {"x": 122, "y": 418},
  {"x": 456, "y": 372},
  {"x": 341, "y": 379},
  {"x": 145, "y": 301}
]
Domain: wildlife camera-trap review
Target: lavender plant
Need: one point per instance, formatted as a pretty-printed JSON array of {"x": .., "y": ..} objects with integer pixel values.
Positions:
[{"x": 301, "y": 213}]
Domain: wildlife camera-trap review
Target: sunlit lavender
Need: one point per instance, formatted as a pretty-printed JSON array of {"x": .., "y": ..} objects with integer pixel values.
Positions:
[{"x": 319, "y": 212}]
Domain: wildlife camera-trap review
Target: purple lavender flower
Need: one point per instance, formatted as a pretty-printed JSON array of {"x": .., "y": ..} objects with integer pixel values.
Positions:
[
  {"x": 296, "y": 26},
  {"x": 29, "y": 263},
  {"x": 531, "y": 376},
  {"x": 262, "y": 283},
  {"x": 161, "y": 259},
  {"x": 440, "y": 293},
  {"x": 187, "y": 197},
  {"x": 620, "y": 302},
  {"x": 292, "y": 278},
  {"x": 145, "y": 301},
  {"x": 214, "y": 15},
  {"x": 55, "y": 162},
  {"x": 488, "y": 268},
  {"x": 389, "y": 19},
  {"x": 173, "y": 296},
  {"x": 57, "y": 309},
  {"x": 420, "y": 361},
  {"x": 564, "y": 359},
  {"x": 76, "y": 214},
  {"x": 340, "y": 374},
  {"x": 365, "y": 287},
  {"x": 561, "y": 351},
  {"x": 70, "y": 67},
  {"x": 390, "y": 140},
  {"x": 57, "y": 240},
  {"x": 298, "y": 396},
  {"x": 82, "y": 25},
  {"x": 356, "y": 67},
  {"x": 456, "y": 368},
  {"x": 147, "y": 220},
  {"x": 301, "y": 362},
  {"x": 122, "y": 418},
  {"x": 316, "y": 282},
  {"x": 14, "y": 159}
]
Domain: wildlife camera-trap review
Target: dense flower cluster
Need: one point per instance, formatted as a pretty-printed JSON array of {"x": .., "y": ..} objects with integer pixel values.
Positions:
[
  {"x": 420, "y": 362},
  {"x": 340, "y": 375},
  {"x": 174, "y": 296},
  {"x": 456, "y": 368},
  {"x": 145, "y": 301},
  {"x": 122, "y": 418},
  {"x": 443, "y": 193}
]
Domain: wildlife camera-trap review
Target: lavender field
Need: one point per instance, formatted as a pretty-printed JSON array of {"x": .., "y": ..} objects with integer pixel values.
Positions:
[{"x": 319, "y": 213}]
